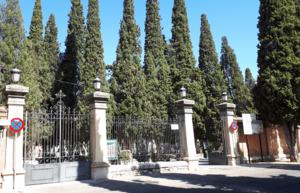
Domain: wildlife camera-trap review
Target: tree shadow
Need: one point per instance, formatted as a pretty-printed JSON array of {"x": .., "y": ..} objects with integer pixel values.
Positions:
[{"x": 181, "y": 182}]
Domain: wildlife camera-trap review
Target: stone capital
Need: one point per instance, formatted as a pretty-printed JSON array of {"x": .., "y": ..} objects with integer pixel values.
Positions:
[
  {"x": 15, "y": 89},
  {"x": 184, "y": 102},
  {"x": 98, "y": 97},
  {"x": 226, "y": 109},
  {"x": 184, "y": 106}
]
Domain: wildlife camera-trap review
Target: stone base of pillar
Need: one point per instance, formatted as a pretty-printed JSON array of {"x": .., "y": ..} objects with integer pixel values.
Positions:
[
  {"x": 99, "y": 171},
  {"x": 8, "y": 180},
  {"x": 238, "y": 160},
  {"x": 193, "y": 163},
  {"x": 232, "y": 161}
]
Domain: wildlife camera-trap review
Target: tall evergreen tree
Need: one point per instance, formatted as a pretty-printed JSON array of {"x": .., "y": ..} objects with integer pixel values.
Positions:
[
  {"x": 127, "y": 74},
  {"x": 210, "y": 69},
  {"x": 51, "y": 56},
  {"x": 156, "y": 68},
  {"x": 36, "y": 37},
  {"x": 74, "y": 55},
  {"x": 182, "y": 62},
  {"x": 277, "y": 93},
  {"x": 27, "y": 62},
  {"x": 12, "y": 33},
  {"x": 36, "y": 27},
  {"x": 94, "y": 64},
  {"x": 249, "y": 80},
  {"x": 235, "y": 81}
]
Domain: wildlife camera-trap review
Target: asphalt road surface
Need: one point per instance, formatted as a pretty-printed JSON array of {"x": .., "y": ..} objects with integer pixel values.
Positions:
[{"x": 209, "y": 179}]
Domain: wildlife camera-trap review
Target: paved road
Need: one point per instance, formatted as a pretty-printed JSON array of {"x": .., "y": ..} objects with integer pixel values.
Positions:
[{"x": 246, "y": 178}]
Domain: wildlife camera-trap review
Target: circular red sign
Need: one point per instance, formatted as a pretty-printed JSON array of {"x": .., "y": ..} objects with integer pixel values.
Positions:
[
  {"x": 234, "y": 125},
  {"x": 16, "y": 124}
]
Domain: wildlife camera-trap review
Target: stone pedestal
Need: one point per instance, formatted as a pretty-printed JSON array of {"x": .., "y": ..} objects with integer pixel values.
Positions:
[
  {"x": 226, "y": 113},
  {"x": 100, "y": 165},
  {"x": 187, "y": 140},
  {"x": 15, "y": 100}
]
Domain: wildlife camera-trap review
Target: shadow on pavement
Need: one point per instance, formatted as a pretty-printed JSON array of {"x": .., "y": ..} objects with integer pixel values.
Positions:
[{"x": 178, "y": 182}]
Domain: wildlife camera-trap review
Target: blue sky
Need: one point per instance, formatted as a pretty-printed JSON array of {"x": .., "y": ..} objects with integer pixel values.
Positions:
[{"x": 236, "y": 19}]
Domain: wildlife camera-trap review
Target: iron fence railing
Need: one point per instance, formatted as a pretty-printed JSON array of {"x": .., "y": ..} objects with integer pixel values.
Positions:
[
  {"x": 139, "y": 139},
  {"x": 56, "y": 136}
]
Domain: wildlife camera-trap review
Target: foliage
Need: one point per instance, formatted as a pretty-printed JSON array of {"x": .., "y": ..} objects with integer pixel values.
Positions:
[
  {"x": 234, "y": 80},
  {"x": 210, "y": 69},
  {"x": 182, "y": 63},
  {"x": 126, "y": 70},
  {"x": 51, "y": 56},
  {"x": 249, "y": 80},
  {"x": 27, "y": 62},
  {"x": 44, "y": 68},
  {"x": 182, "y": 56},
  {"x": 74, "y": 55},
  {"x": 156, "y": 68},
  {"x": 124, "y": 156},
  {"x": 93, "y": 64},
  {"x": 12, "y": 33},
  {"x": 276, "y": 94}
]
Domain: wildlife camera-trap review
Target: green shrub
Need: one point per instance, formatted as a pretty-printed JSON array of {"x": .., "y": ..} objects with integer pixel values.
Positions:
[{"x": 124, "y": 156}]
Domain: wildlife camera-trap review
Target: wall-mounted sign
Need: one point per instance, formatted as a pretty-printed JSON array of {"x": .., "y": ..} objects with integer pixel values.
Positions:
[
  {"x": 112, "y": 153},
  {"x": 252, "y": 124},
  {"x": 174, "y": 127},
  {"x": 234, "y": 125},
  {"x": 16, "y": 124}
]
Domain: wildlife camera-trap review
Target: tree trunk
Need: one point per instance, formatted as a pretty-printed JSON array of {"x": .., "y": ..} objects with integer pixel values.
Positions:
[{"x": 289, "y": 133}]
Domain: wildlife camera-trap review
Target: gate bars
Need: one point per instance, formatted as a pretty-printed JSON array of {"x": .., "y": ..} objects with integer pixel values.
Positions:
[
  {"x": 142, "y": 139},
  {"x": 47, "y": 133}
]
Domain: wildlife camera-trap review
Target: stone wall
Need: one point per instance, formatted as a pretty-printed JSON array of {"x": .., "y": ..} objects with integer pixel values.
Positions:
[
  {"x": 116, "y": 171},
  {"x": 3, "y": 115}
]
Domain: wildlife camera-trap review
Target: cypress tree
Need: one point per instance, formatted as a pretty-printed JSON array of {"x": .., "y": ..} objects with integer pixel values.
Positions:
[
  {"x": 36, "y": 27},
  {"x": 156, "y": 68},
  {"x": 277, "y": 93},
  {"x": 127, "y": 72},
  {"x": 51, "y": 56},
  {"x": 235, "y": 81},
  {"x": 94, "y": 64},
  {"x": 36, "y": 36},
  {"x": 209, "y": 67},
  {"x": 74, "y": 55},
  {"x": 12, "y": 33},
  {"x": 27, "y": 62},
  {"x": 183, "y": 60},
  {"x": 249, "y": 80}
]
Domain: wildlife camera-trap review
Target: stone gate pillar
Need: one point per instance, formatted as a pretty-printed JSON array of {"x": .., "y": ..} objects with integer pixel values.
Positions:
[
  {"x": 100, "y": 165},
  {"x": 187, "y": 141},
  {"x": 15, "y": 100},
  {"x": 226, "y": 113}
]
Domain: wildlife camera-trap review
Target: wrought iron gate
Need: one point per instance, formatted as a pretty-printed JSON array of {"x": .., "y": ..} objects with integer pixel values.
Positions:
[
  {"x": 56, "y": 145},
  {"x": 143, "y": 139}
]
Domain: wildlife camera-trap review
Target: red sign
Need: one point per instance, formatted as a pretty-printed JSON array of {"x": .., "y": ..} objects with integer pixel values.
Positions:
[
  {"x": 16, "y": 124},
  {"x": 234, "y": 125}
]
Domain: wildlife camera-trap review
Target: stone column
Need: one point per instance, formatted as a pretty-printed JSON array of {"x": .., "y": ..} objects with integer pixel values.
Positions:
[
  {"x": 100, "y": 165},
  {"x": 226, "y": 113},
  {"x": 187, "y": 141},
  {"x": 15, "y": 100}
]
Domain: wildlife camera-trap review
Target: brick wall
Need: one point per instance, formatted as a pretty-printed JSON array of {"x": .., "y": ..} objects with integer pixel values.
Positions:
[
  {"x": 272, "y": 141},
  {"x": 3, "y": 115}
]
